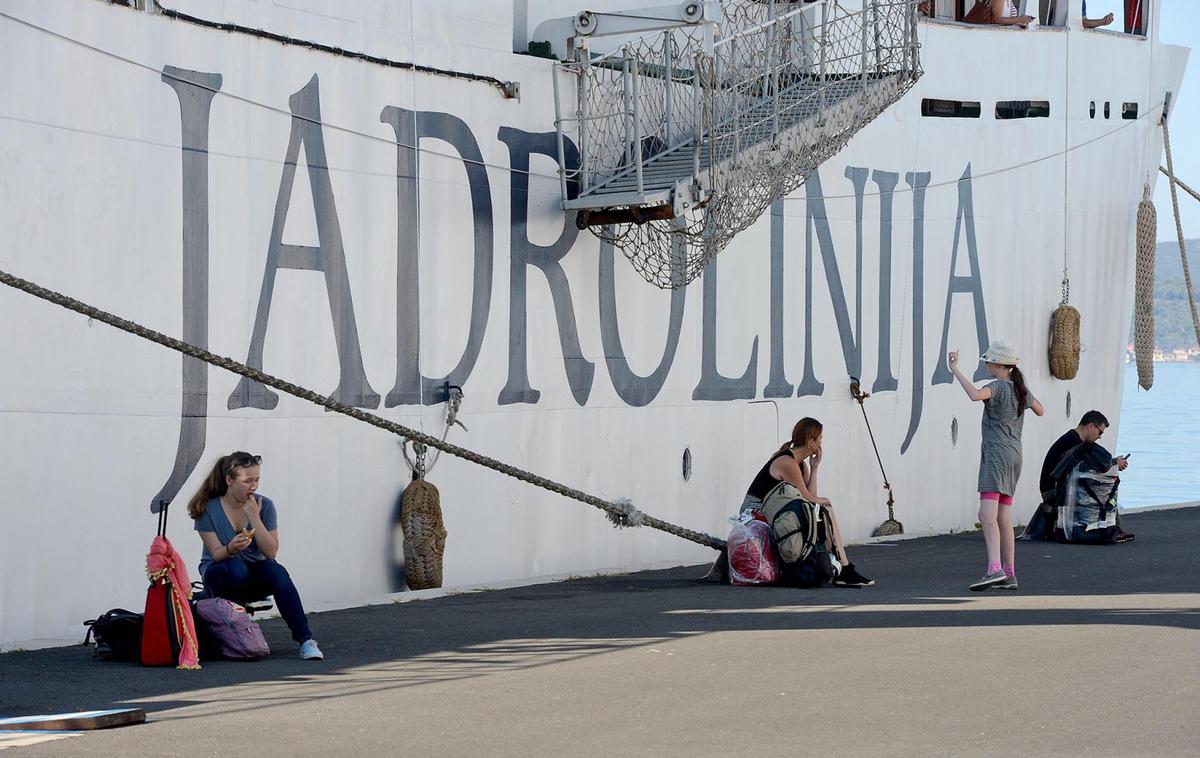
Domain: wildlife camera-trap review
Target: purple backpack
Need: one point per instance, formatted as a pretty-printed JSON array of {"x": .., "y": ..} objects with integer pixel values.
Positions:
[{"x": 232, "y": 629}]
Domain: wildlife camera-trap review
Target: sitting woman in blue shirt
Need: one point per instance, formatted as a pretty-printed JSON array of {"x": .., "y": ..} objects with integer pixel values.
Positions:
[{"x": 241, "y": 539}]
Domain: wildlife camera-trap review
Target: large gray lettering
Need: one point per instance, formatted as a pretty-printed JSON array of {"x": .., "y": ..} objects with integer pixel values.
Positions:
[
  {"x": 412, "y": 387},
  {"x": 886, "y": 181},
  {"x": 777, "y": 383},
  {"x": 970, "y": 284},
  {"x": 713, "y": 385},
  {"x": 328, "y": 257},
  {"x": 523, "y": 253},
  {"x": 816, "y": 216},
  {"x": 195, "y": 91},
  {"x": 633, "y": 388},
  {"x": 918, "y": 181}
]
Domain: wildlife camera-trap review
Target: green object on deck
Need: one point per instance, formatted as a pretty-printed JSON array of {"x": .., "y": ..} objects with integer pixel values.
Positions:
[{"x": 542, "y": 50}]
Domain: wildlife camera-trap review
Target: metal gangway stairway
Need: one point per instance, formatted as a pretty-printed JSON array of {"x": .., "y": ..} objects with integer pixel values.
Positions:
[{"x": 686, "y": 136}]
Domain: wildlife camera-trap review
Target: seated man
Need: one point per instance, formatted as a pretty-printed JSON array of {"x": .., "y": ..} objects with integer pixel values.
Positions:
[{"x": 1090, "y": 430}]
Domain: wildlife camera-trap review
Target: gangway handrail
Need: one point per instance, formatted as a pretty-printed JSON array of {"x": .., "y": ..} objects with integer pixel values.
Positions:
[{"x": 760, "y": 99}]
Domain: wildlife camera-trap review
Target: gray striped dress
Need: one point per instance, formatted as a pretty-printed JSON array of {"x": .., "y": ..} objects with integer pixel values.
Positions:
[{"x": 1000, "y": 449}]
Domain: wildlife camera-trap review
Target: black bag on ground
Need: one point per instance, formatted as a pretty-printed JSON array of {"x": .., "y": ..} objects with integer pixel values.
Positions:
[
  {"x": 1086, "y": 496},
  {"x": 802, "y": 541},
  {"x": 118, "y": 635}
]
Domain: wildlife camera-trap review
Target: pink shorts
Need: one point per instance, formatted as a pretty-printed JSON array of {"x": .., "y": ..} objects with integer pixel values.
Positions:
[{"x": 1002, "y": 499}]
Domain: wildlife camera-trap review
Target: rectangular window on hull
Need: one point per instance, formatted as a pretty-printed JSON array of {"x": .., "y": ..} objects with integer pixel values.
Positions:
[
  {"x": 932, "y": 108},
  {"x": 1129, "y": 111},
  {"x": 1006, "y": 109}
]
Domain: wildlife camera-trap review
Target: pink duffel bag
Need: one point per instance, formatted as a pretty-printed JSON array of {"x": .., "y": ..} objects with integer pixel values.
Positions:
[{"x": 232, "y": 629}]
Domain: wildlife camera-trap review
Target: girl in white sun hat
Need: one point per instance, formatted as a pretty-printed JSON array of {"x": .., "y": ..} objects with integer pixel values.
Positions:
[{"x": 1005, "y": 400}]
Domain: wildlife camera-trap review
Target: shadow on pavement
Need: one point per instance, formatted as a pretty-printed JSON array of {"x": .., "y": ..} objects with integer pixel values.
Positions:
[{"x": 921, "y": 584}]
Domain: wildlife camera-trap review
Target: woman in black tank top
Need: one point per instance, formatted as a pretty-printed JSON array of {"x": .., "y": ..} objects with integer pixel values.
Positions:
[
  {"x": 797, "y": 462},
  {"x": 799, "y": 455}
]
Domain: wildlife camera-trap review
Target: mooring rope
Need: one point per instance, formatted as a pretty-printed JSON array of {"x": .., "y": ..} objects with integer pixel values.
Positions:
[
  {"x": 420, "y": 467},
  {"x": 1187, "y": 274},
  {"x": 622, "y": 512}
]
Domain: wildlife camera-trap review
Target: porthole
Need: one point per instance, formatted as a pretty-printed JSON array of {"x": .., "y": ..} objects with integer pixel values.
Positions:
[
  {"x": 687, "y": 464},
  {"x": 1092, "y": 110},
  {"x": 954, "y": 431},
  {"x": 1068, "y": 405},
  {"x": 1106, "y": 109}
]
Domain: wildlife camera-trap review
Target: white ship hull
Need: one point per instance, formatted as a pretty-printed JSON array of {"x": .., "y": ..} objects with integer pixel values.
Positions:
[{"x": 99, "y": 201}]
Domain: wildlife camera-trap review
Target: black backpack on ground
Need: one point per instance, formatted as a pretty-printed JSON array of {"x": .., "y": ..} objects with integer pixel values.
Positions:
[{"x": 118, "y": 635}]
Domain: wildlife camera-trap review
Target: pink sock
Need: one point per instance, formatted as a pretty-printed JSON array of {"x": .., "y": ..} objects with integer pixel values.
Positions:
[
  {"x": 1010, "y": 571},
  {"x": 993, "y": 568}
]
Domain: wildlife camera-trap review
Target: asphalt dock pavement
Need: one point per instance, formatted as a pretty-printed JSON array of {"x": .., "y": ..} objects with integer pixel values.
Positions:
[{"x": 1097, "y": 654}]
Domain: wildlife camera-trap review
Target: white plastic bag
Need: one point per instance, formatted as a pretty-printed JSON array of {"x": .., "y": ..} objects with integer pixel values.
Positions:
[{"x": 752, "y": 553}]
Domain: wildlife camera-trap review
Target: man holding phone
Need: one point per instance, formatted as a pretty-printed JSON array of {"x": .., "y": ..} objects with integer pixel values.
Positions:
[{"x": 1091, "y": 428}]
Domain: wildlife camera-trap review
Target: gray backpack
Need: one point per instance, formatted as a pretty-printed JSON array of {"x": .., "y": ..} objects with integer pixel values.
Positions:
[
  {"x": 794, "y": 521},
  {"x": 804, "y": 544}
]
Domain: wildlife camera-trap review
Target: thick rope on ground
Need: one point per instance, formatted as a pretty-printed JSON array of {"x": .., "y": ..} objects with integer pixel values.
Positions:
[
  {"x": 294, "y": 390},
  {"x": 1143, "y": 293}
]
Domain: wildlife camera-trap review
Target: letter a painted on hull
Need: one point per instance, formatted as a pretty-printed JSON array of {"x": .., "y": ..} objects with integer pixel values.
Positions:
[
  {"x": 970, "y": 284},
  {"x": 329, "y": 258}
]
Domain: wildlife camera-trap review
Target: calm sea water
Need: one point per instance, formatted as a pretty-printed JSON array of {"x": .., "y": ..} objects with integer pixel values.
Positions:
[{"x": 1161, "y": 428}]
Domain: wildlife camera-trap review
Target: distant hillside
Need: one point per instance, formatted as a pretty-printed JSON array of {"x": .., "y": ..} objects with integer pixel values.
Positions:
[
  {"x": 1172, "y": 317},
  {"x": 1167, "y": 264}
]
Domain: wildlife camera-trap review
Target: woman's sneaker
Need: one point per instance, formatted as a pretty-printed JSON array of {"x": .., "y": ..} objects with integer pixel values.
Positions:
[
  {"x": 990, "y": 580},
  {"x": 310, "y": 652},
  {"x": 849, "y": 577},
  {"x": 1009, "y": 583}
]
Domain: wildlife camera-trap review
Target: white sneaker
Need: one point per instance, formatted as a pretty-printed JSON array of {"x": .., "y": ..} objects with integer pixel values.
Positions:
[{"x": 310, "y": 652}]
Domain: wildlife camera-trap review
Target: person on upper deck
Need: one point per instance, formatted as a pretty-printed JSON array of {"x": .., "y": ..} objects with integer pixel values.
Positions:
[
  {"x": 1001, "y": 12},
  {"x": 1092, "y": 23}
]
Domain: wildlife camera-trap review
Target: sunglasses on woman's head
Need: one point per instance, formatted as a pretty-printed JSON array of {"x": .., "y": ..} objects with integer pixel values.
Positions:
[{"x": 243, "y": 460}]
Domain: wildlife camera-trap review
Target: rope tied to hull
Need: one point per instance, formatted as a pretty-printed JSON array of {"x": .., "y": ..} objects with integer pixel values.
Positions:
[
  {"x": 417, "y": 461},
  {"x": 1187, "y": 274},
  {"x": 125, "y": 325},
  {"x": 891, "y": 526}
]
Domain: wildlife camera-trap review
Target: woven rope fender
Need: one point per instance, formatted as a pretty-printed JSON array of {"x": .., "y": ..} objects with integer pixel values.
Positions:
[
  {"x": 1064, "y": 342},
  {"x": 1143, "y": 293},
  {"x": 424, "y": 535}
]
